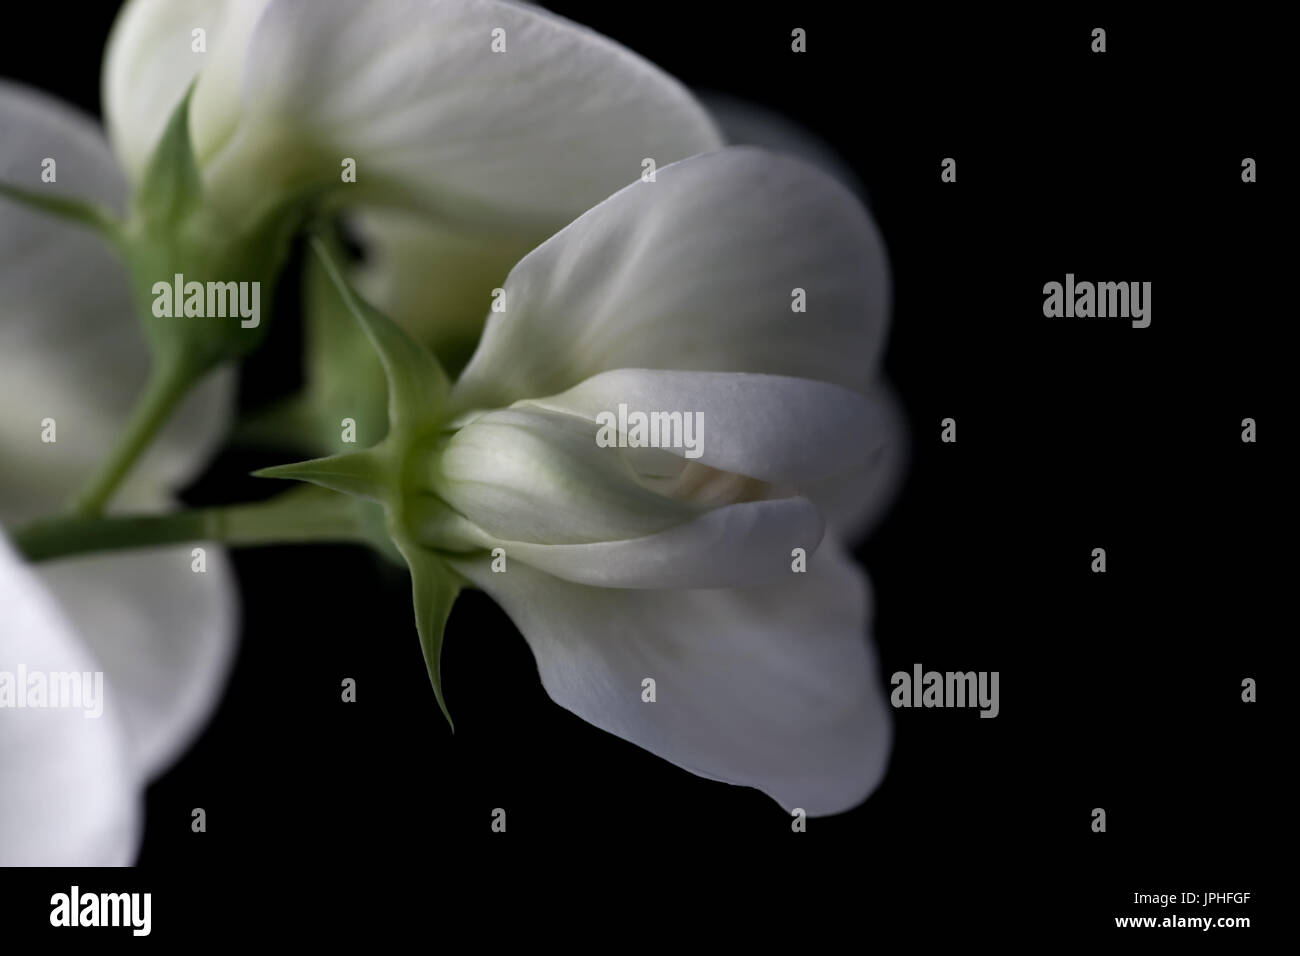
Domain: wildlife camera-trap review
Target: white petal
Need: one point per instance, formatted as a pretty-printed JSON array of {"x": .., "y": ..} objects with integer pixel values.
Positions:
[
  {"x": 163, "y": 634},
  {"x": 730, "y": 546},
  {"x": 151, "y": 60},
  {"x": 844, "y": 451},
  {"x": 412, "y": 90},
  {"x": 71, "y": 348},
  {"x": 526, "y": 475},
  {"x": 68, "y": 792},
  {"x": 770, "y": 427},
  {"x": 38, "y": 126},
  {"x": 773, "y": 687},
  {"x": 695, "y": 271}
]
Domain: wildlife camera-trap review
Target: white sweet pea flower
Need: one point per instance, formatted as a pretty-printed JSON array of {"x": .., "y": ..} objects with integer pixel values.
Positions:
[
  {"x": 676, "y": 296},
  {"x": 72, "y": 359},
  {"x": 490, "y": 123},
  {"x": 706, "y": 564}
]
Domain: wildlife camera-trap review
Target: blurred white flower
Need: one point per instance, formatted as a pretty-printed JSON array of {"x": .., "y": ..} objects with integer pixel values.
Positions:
[
  {"x": 485, "y": 152},
  {"x": 71, "y": 351},
  {"x": 69, "y": 795}
]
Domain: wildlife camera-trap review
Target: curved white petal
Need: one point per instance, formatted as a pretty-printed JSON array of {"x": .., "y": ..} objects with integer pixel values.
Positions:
[
  {"x": 773, "y": 687},
  {"x": 719, "y": 510},
  {"x": 734, "y": 545},
  {"x": 154, "y": 53},
  {"x": 164, "y": 635},
  {"x": 695, "y": 271},
  {"x": 38, "y": 126},
  {"x": 71, "y": 349},
  {"x": 412, "y": 90},
  {"x": 527, "y": 475},
  {"x": 770, "y": 427},
  {"x": 68, "y": 792}
]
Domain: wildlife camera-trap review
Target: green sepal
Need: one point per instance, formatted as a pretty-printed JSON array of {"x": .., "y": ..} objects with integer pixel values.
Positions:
[
  {"x": 366, "y": 474},
  {"x": 171, "y": 188},
  {"x": 342, "y": 378},
  {"x": 177, "y": 229},
  {"x": 417, "y": 385},
  {"x": 434, "y": 587}
]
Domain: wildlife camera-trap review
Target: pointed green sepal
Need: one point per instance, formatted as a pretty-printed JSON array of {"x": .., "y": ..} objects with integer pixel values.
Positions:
[
  {"x": 364, "y": 473},
  {"x": 434, "y": 587},
  {"x": 171, "y": 187},
  {"x": 79, "y": 211},
  {"x": 417, "y": 389},
  {"x": 203, "y": 275},
  {"x": 417, "y": 385},
  {"x": 342, "y": 378}
]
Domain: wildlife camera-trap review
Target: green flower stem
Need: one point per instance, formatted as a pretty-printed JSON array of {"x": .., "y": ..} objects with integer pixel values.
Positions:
[
  {"x": 289, "y": 518},
  {"x": 168, "y": 384}
]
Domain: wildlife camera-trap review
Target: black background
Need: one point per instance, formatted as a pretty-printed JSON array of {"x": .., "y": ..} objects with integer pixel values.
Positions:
[{"x": 1119, "y": 690}]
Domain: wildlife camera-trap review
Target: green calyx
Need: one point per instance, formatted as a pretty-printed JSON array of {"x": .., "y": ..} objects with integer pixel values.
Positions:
[
  {"x": 203, "y": 285},
  {"x": 392, "y": 472}
]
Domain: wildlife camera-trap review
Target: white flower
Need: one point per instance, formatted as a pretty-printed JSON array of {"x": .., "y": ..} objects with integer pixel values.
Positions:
[
  {"x": 624, "y": 564},
  {"x": 71, "y": 351},
  {"x": 676, "y": 295}
]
